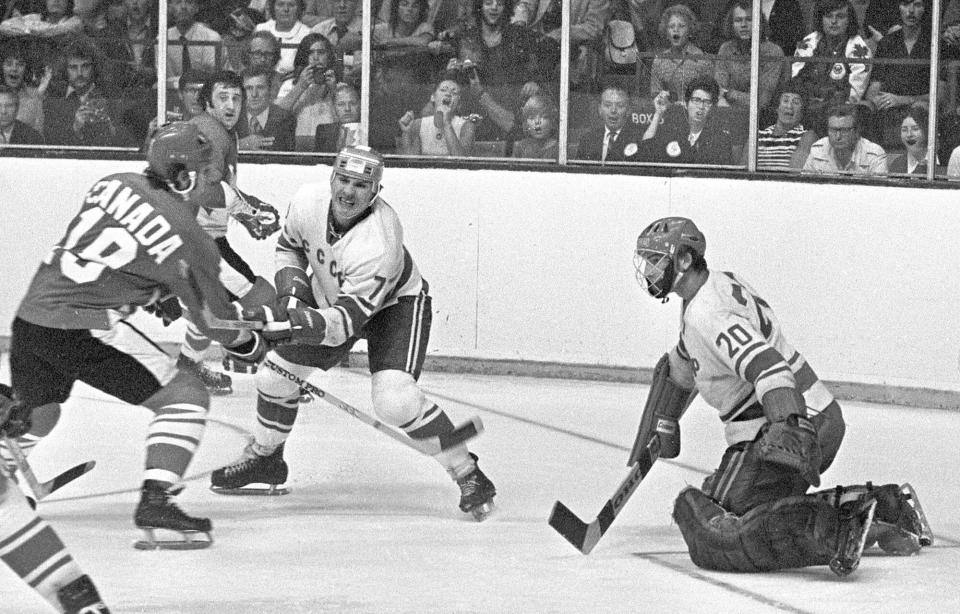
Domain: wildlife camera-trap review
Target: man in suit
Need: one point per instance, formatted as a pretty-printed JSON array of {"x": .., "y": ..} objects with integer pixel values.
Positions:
[
  {"x": 619, "y": 137},
  {"x": 331, "y": 138},
  {"x": 264, "y": 125},
  {"x": 12, "y": 130}
]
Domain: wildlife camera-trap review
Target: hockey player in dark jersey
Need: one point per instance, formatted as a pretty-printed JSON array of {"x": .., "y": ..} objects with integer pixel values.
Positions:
[
  {"x": 28, "y": 545},
  {"x": 343, "y": 274},
  {"x": 782, "y": 426},
  {"x": 134, "y": 243}
]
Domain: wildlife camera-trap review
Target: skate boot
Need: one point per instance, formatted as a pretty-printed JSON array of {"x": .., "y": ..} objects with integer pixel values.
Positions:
[
  {"x": 899, "y": 525},
  {"x": 217, "y": 383},
  {"x": 854, "y": 525},
  {"x": 81, "y": 597},
  {"x": 476, "y": 493},
  {"x": 157, "y": 511},
  {"x": 252, "y": 468}
]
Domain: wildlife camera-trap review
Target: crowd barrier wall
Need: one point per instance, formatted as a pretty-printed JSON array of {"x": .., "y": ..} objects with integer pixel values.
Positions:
[{"x": 537, "y": 266}]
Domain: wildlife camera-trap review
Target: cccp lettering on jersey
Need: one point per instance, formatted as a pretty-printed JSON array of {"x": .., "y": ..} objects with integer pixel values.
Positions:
[{"x": 143, "y": 221}]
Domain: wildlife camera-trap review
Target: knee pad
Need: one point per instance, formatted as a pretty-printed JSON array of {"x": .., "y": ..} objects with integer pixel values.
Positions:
[
  {"x": 183, "y": 388},
  {"x": 277, "y": 378},
  {"x": 397, "y": 399}
]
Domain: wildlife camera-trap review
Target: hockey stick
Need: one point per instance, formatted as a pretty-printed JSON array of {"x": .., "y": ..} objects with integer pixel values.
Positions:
[
  {"x": 430, "y": 446},
  {"x": 585, "y": 536},
  {"x": 42, "y": 489}
]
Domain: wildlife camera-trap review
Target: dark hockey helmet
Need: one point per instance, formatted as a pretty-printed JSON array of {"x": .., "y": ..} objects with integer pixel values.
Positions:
[
  {"x": 361, "y": 163},
  {"x": 657, "y": 246},
  {"x": 175, "y": 147}
]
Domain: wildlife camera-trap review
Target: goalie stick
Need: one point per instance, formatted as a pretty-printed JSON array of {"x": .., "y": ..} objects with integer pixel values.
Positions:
[
  {"x": 42, "y": 489},
  {"x": 585, "y": 536},
  {"x": 430, "y": 446}
]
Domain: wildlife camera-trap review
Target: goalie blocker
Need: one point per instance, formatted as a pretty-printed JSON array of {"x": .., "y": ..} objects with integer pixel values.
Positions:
[{"x": 666, "y": 404}]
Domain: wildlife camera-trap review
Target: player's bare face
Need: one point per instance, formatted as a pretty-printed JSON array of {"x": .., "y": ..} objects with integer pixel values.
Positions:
[
  {"x": 225, "y": 104},
  {"x": 350, "y": 197}
]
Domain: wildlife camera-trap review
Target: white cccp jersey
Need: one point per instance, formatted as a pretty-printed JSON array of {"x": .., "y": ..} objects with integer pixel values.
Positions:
[
  {"x": 355, "y": 276},
  {"x": 733, "y": 342}
]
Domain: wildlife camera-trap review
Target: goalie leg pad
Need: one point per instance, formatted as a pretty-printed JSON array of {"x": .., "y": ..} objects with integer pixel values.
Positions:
[
  {"x": 788, "y": 533},
  {"x": 665, "y": 404}
]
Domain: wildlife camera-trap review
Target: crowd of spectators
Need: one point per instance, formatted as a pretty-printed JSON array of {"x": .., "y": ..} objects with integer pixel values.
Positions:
[{"x": 452, "y": 77}]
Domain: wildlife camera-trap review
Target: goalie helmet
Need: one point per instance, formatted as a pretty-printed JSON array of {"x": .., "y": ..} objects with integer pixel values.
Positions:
[
  {"x": 178, "y": 146},
  {"x": 656, "y": 254},
  {"x": 361, "y": 163}
]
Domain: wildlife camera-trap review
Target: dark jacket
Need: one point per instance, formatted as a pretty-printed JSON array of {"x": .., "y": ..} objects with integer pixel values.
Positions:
[
  {"x": 621, "y": 149},
  {"x": 23, "y": 134},
  {"x": 281, "y": 125},
  {"x": 672, "y": 145}
]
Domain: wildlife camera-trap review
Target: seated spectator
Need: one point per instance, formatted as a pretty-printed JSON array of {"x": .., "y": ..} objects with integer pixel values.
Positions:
[
  {"x": 76, "y": 110},
  {"x": 221, "y": 15},
  {"x": 618, "y": 138},
  {"x": 539, "y": 116},
  {"x": 286, "y": 25},
  {"x": 308, "y": 92},
  {"x": 733, "y": 61},
  {"x": 55, "y": 18},
  {"x": 263, "y": 125},
  {"x": 190, "y": 44},
  {"x": 331, "y": 138},
  {"x": 343, "y": 29},
  {"x": 15, "y": 74},
  {"x": 408, "y": 25},
  {"x": 895, "y": 87},
  {"x": 842, "y": 80},
  {"x": 913, "y": 136},
  {"x": 588, "y": 19},
  {"x": 450, "y": 19},
  {"x": 689, "y": 132},
  {"x": 128, "y": 44},
  {"x": 682, "y": 62},
  {"x": 12, "y": 130},
  {"x": 500, "y": 50},
  {"x": 784, "y": 145},
  {"x": 843, "y": 149},
  {"x": 442, "y": 133},
  {"x": 186, "y": 104}
]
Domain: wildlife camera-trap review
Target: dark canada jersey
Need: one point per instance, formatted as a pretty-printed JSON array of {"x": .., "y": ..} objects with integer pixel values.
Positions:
[{"x": 130, "y": 244}]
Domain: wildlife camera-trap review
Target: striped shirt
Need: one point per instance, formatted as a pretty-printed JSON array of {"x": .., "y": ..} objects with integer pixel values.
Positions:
[{"x": 773, "y": 151}]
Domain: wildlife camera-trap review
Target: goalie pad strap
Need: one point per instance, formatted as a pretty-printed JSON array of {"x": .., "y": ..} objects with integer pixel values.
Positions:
[
  {"x": 788, "y": 533},
  {"x": 665, "y": 400}
]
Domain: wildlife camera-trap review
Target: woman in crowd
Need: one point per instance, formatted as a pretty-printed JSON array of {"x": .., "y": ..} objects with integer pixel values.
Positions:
[
  {"x": 784, "y": 145},
  {"x": 539, "y": 115},
  {"x": 681, "y": 62},
  {"x": 286, "y": 26},
  {"x": 733, "y": 61},
  {"x": 913, "y": 135},
  {"x": 441, "y": 133},
  {"x": 308, "y": 92},
  {"x": 833, "y": 76},
  {"x": 14, "y": 73},
  {"x": 409, "y": 26}
]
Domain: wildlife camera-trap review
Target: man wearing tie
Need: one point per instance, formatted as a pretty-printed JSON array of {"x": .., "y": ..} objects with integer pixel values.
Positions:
[
  {"x": 618, "y": 137},
  {"x": 264, "y": 125},
  {"x": 191, "y": 45},
  {"x": 12, "y": 130}
]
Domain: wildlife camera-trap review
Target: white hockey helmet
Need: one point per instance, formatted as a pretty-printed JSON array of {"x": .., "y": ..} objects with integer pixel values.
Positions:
[{"x": 360, "y": 162}]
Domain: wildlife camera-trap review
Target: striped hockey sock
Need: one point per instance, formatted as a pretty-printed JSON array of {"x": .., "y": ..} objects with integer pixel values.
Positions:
[
  {"x": 275, "y": 418},
  {"x": 433, "y": 422},
  {"x": 27, "y": 443},
  {"x": 172, "y": 440},
  {"x": 195, "y": 344}
]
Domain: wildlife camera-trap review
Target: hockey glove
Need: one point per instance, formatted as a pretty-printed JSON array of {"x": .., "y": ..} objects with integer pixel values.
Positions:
[
  {"x": 307, "y": 326},
  {"x": 293, "y": 288},
  {"x": 259, "y": 218},
  {"x": 247, "y": 356},
  {"x": 668, "y": 431},
  {"x": 792, "y": 443},
  {"x": 168, "y": 310},
  {"x": 14, "y": 415}
]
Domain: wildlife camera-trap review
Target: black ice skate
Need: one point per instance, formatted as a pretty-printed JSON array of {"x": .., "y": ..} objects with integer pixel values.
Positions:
[
  {"x": 157, "y": 512},
  {"x": 899, "y": 525},
  {"x": 476, "y": 493},
  {"x": 81, "y": 597},
  {"x": 217, "y": 383},
  {"x": 252, "y": 468},
  {"x": 855, "y": 520}
]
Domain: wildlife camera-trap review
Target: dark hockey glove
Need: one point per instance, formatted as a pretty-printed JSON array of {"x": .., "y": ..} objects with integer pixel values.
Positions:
[
  {"x": 293, "y": 288},
  {"x": 259, "y": 218},
  {"x": 246, "y": 357},
  {"x": 793, "y": 443},
  {"x": 307, "y": 326},
  {"x": 14, "y": 415},
  {"x": 168, "y": 310}
]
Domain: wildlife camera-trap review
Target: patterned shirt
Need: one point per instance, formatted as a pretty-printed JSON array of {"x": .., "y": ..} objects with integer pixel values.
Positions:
[{"x": 775, "y": 152}]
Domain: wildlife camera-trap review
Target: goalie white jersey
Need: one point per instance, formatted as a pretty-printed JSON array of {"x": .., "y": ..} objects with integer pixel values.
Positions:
[
  {"x": 733, "y": 342},
  {"x": 354, "y": 276}
]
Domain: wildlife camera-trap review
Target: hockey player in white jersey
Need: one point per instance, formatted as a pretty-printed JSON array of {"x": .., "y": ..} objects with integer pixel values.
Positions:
[
  {"x": 782, "y": 426},
  {"x": 344, "y": 274}
]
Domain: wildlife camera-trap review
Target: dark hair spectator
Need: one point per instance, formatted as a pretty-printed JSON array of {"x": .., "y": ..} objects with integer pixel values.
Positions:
[
  {"x": 18, "y": 70},
  {"x": 844, "y": 150},
  {"x": 54, "y": 19},
  {"x": 444, "y": 132},
  {"x": 784, "y": 145},
  {"x": 733, "y": 59},
  {"x": 12, "y": 130},
  {"x": 308, "y": 92},
  {"x": 617, "y": 138},
  {"x": 913, "y": 139}
]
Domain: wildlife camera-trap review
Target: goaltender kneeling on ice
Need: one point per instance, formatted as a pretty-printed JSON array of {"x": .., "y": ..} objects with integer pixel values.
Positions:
[{"x": 362, "y": 283}]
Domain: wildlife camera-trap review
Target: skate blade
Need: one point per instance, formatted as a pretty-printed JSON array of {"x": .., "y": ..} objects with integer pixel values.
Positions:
[
  {"x": 190, "y": 540},
  {"x": 272, "y": 491},
  {"x": 482, "y": 512},
  {"x": 926, "y": 533}
]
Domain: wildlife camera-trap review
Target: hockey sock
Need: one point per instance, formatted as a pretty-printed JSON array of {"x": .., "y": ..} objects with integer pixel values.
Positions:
[
  {"x": 194, "y": 343},
  {"x": 431, "y": 423},
  {"x": 275, "y": 418},
  {"x": 27, "y": 443},
  {"x": 172, "y": 439},
  {"x": 32, "y": 549}
]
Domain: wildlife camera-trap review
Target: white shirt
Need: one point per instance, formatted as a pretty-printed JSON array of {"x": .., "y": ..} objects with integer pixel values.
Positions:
[{"x": 289, "y": 41}]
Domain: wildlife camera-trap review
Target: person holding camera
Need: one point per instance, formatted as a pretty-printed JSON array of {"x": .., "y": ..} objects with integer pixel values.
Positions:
[
  {"x": 76, "y": 111},
  {"x": 308, "y": 92}
]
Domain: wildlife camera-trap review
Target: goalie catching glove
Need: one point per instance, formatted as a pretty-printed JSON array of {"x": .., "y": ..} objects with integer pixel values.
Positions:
[
  {"x": 790, "y": 438},
  {"x": 259, "y": 218}
]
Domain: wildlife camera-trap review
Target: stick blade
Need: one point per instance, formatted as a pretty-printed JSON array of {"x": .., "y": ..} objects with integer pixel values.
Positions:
[
  {"x": 581, "y": 536},
  {"x": 65, "y": 478},
  {"x": 462, "y": 434}
]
